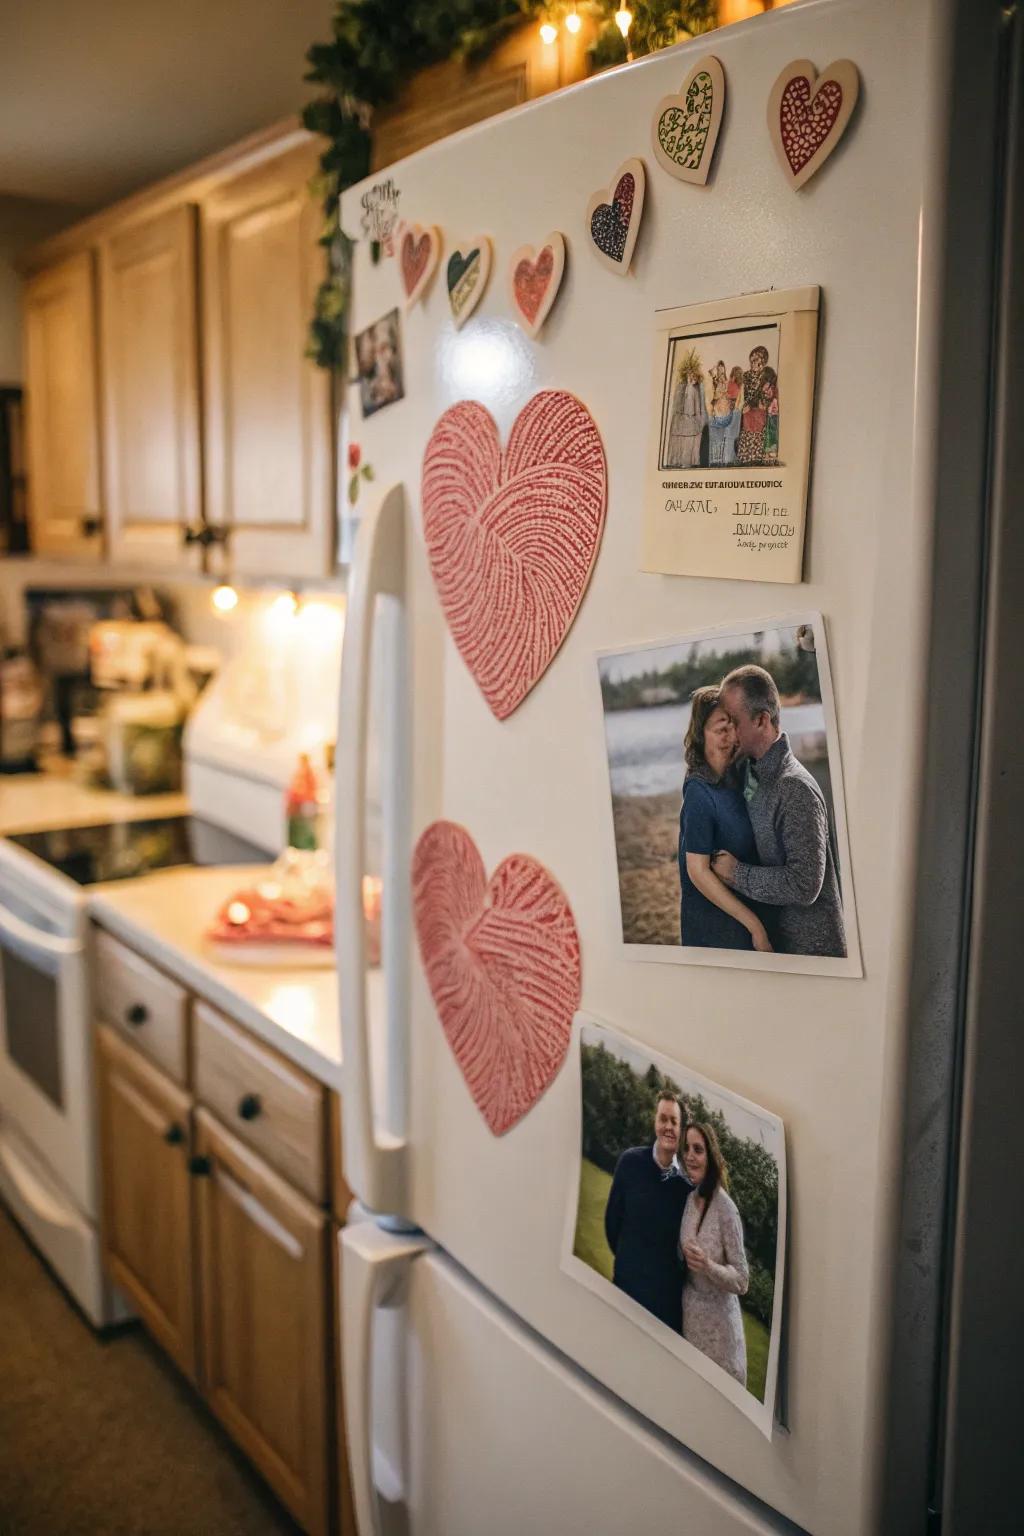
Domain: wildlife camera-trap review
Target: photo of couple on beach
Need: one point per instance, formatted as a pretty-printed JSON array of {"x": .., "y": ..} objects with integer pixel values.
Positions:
[
  {"x": 721, "y": 401},
  {"x": 730, "y": 833},
  {"x": 680, "y": 1211}
]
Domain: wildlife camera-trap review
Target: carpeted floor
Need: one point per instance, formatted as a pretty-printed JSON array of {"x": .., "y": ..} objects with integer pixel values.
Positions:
[{"x": 101, "y": 1437}]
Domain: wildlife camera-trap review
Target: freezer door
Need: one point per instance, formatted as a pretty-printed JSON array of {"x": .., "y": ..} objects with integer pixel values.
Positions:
[{"x": 460, "y": 1420}]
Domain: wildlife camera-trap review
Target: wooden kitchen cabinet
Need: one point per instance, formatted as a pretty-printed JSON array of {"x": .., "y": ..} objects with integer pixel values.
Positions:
[
  {"x": 209, "y": 1232},
  {"x": 265, "y": 1308},
  {"x": 150, "y": 349},
  {"x": 147, "y": 1213},
  {"x": 267, "y": 408},
  {"x": 62, "y": 414}
]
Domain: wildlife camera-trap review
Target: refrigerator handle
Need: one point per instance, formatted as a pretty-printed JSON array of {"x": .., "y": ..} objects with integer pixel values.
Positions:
[
  {"x": 374, "y": 1265},
  {"x": 373, "y": 1153}
]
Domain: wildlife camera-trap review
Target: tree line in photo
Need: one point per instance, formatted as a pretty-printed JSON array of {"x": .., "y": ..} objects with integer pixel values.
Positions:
[
  {"x": 795, "y": 672},
  {"x": 617, "y": 1114}
]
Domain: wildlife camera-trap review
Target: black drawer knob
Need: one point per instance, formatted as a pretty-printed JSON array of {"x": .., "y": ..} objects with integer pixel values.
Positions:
[
  {"x": 174, "y": 1135},
  {"x": 137, "y": 1014},
  {"x": 200, "y": 1166},
  {"x": 249, "y": 1106}
]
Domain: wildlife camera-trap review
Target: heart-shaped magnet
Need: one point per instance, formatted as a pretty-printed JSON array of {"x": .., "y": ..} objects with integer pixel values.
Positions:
[
  {"x": 684, "y": 130},
  {"x": 613, "y": 217},
  {"x": 808, "y": 114},
  {"x": 467, "y": 275},
  {"x": 534, "y": 279},
  {"x": 512, "y": 536},
  {"x": 502, "y": 958},
  {"x": 419, "y": 250}
]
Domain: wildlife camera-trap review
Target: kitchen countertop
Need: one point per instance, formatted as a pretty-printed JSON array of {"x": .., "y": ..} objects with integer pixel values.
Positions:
[
  {"x": 163, "y": 915},
  {"x": 32, "y": 802}
]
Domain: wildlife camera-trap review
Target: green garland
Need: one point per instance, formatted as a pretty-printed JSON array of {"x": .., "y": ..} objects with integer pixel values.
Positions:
[{"x": 378, "y": 45}]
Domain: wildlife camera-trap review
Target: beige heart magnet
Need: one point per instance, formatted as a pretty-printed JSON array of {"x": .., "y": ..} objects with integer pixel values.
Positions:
[
  {"x": 468, "y": 270},
  {"x": 684, "y": 129},
  {"x": 613, "y": 217},
  {"x": 419, "y": 251},
  {"x": 534, "y": 278},
  {"x": 808, "y": 114}
]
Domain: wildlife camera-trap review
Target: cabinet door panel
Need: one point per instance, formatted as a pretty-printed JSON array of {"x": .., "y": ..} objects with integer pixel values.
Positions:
[
  {"x": 147, "y": 1219},
  {"x": 264, "y": 1265},
  {"x": 62, "y": 418},
  {"x": 151, "y": 395},
  {"x": 267, "y": 407}
]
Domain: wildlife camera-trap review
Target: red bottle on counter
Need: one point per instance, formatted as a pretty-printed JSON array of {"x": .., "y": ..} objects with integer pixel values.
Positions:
[{"x": 302, "y": 806}]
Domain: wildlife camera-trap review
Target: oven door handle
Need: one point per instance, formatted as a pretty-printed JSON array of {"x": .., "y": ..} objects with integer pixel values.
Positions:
[{"x": 44, "y": 951}]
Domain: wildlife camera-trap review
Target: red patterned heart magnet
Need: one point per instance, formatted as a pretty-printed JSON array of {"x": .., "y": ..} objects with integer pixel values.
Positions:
[
  {"x": 419, "y": 250},
  {"x": 512, "y": 536},
  {"x": 534, "y": 278},
  {"x": 613, "y": 217},
  {"x": 808, "y": 114},
  {"x": 502, "y": 958}
]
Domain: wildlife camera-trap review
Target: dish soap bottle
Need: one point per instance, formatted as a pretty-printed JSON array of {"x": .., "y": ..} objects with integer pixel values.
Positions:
[{"x": 302, "y": 808}]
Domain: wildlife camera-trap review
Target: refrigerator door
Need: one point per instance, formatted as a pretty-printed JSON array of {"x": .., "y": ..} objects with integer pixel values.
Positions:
[
  {"x": 828, "y": 1055},
  {"x": 460, "y": 1420}
]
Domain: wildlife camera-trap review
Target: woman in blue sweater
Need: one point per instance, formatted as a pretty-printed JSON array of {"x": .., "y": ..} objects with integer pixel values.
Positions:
[{"x": 714, "y": 817}]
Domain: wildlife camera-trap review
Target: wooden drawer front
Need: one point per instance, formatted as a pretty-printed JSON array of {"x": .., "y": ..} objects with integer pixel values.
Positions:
[
  {"x": 269, "y": 1104},
  {"x": 144, "y": 1004}
]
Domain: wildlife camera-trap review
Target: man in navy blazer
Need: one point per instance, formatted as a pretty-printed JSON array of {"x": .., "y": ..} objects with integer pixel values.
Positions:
[{"x": 644, "y": 1214}]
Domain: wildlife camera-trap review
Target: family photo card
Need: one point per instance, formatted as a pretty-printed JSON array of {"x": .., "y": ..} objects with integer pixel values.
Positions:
[
  {"x": 732, "y": 403},
  {"x": 377, "y": 354},
  {"x": 727, "y": 811},
  {"x": 676, "y": 1214}
]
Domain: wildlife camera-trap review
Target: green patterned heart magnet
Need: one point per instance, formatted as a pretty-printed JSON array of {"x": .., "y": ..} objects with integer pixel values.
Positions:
[
  {"x": 467, "y": 278},
  {"x": 684, "y": 130}
]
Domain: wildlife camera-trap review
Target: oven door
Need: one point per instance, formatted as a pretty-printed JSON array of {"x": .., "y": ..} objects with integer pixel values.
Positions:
[{"x": 46, "y": 1079}]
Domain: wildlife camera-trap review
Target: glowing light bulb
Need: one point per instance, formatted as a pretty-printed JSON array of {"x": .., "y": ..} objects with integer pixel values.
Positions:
[
  {"x": 285, "y": 605},
  {"x": 224, "y": 599},
  {"x": 572, "y": 22},
  {"x": 624, "y": 20},
  {"x": 548, "y": 33}
]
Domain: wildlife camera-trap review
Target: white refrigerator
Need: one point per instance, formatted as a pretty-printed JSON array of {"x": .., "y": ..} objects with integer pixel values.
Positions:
[{"x": 485, "y": 1389}]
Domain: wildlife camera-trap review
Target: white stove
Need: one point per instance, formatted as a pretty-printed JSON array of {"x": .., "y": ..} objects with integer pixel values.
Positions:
[{"x": 48, "y": 1141}]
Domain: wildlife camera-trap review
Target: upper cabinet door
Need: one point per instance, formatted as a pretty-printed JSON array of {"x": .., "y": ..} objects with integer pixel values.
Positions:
[
  {"x": 267, "y": 412},
  {"x": 151, "y": 390},
  {"x": 62, "y": 420}
]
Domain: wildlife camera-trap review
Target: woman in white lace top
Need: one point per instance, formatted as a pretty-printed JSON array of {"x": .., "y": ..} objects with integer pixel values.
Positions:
[{"x": 711, "y": 1243}]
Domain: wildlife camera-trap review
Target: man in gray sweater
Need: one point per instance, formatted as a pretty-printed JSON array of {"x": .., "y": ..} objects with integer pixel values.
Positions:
[{"x": 797, "y": 875}]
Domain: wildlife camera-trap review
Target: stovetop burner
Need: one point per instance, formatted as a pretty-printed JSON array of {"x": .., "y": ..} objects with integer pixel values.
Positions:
[{"x": 124, "y": 849}]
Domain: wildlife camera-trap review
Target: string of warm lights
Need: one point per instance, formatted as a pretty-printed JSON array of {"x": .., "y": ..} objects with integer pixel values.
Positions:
[{"x": 549, "y": 29}]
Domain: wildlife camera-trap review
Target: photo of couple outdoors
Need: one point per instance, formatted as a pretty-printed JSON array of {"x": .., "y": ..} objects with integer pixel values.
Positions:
[
  {"x": 722, "y": 795},
  {"x": 721, "y": 404},
  {"x": 679, "y": 1204}
]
